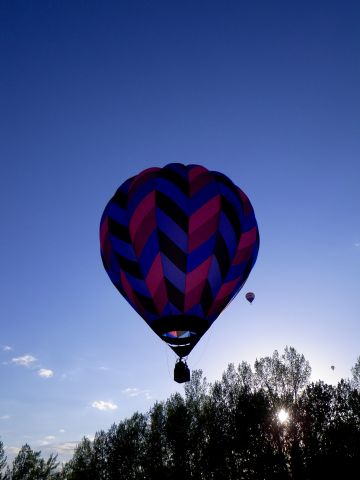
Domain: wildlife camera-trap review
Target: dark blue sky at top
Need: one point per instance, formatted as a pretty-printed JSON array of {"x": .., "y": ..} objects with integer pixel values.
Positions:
[{"x": 93, "y": 92}]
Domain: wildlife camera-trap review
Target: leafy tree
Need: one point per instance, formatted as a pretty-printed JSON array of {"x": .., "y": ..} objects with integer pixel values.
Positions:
[
  {"x": 283, "y": 377},
  {"x": 28, "y": 465},
  {"x": 177, "y": 426},
  {"x": 2, "y": 461},
  {"x": 81, "y": 466},
  {"x": 246, "y": 376},
  {"x": 330, "y": 430},
  {"x": 196, "y": 394},
  {"x": 215, "y": 433},
  {"x": 157, "y": 455},
  {"x": 297, "y": 371},
  {"x": 356, "y": 374},
  {"x": 226, "y": 430},
  {"x": 127, "y": 451},
  {"x": 100, "y": 456}
]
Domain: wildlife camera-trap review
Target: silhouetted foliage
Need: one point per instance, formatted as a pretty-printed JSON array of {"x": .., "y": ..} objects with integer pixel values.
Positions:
[
  {"x": 356, "y": 374},
  {"x": 228, "y": 430},
  {"x": 82, "y": 465},
  {"x": 2, "y": 461},
  {"x": 29, "y": 465},
  {"x": 283, "y": 377}
]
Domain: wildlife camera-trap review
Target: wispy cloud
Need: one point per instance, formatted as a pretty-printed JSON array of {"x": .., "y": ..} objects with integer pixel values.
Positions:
[
  {"x": 72, "y": 375},
  {"x": 66, "y": 447},
  {"x": 12, "y": 450},
  {"x": 136, "y": 392},
  {"x": 131, "y": 392},
  {"x": 46, "y": 440},
  {"x": 45, "y": 373},
  {"x": 62, "y": 430},
  {"x": 6, "y": 348},
  {"x": 4, "y": 417},
  {"x": 357, "y": 244},
  {"x": 25, "y": 360},
  {"x": 101, "y": 405}
]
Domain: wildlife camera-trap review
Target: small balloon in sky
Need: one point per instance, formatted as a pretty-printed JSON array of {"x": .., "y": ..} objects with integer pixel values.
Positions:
[
  {"x": 178, "y": 243},
  {"x": 333, "y": 367},
  {"x": 250, "y": 296}
]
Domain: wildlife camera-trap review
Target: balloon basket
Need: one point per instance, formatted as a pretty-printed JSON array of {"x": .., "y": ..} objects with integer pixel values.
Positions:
[{"x": 181, "y": 372}]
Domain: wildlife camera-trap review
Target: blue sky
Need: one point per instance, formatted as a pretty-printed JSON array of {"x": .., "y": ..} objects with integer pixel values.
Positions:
[{"x": 93, "y": 92}]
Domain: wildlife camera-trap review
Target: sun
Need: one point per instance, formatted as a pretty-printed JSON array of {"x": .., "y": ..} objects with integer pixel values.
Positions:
[{"x": 283, "y": 416}]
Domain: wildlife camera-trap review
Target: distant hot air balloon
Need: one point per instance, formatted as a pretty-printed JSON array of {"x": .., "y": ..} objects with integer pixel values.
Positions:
[
  {"x": 250, "y": 297},
  {"x": 178, "y": 243},
  {"x": 332, "y": 367}
]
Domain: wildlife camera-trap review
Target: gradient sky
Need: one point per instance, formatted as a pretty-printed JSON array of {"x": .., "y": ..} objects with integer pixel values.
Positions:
[{"x": 92, "y": 92}]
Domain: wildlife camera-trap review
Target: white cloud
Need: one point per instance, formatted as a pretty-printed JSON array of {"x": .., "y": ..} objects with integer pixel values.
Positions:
[
  {"x": 43, "y": 443},
  {"x": 357, "y": 244},
  {"x": 62, "y": 430},
  {"x": 45, "y": 373},
  {"x": 101, "y": 405},
  {"x": 25, "y": 360},
  {"x": 135, "y": 392},
  {"x": 4, "y": 417},
  {"x": 14, "y": 450},
  {"x": 46, "y": 440},
  {"x": 66, "y": 447},
  {"x": 131, "y": 392},
  {"x": 7, "y": 348}
]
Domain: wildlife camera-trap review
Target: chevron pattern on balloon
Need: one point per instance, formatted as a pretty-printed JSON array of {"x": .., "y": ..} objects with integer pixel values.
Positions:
[{"x": 179, "y": 241}]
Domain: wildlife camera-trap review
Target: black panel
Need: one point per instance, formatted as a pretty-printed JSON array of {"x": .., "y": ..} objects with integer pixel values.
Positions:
[
  {"x": 174, "y": 295},
  {"x": 118, "y": 230},
  {"x": 129, "y": 266},
  {"x": 172, "y": 210},
  {"x": 172, "y": 251},
  {"x": 175, "y": 178},
  {"x": 221, "y": 178},
  {"x": 120, "y": 198},
  {"x": 222, "y": 255},
  {"x": 147, "y": 303},
  {"x": 206, "y": 297},
  {"x": 247, "y": 269},
  {"x": 232, "y": 215}
]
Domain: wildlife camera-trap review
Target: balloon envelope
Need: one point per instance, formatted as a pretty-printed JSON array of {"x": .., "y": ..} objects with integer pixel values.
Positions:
[
  {"x": 250, "y": 297},
  {"x": 178, "y": 243}
]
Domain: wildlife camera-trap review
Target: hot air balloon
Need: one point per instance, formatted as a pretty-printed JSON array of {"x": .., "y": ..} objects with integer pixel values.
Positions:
[
  {"x": 333, "y": 367},
  {"x": 250, "y": 296},
  {"x": 178, "y": 243}
]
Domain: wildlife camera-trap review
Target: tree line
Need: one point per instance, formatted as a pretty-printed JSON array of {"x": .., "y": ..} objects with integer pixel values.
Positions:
[{"x": 226, "y": 430}]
